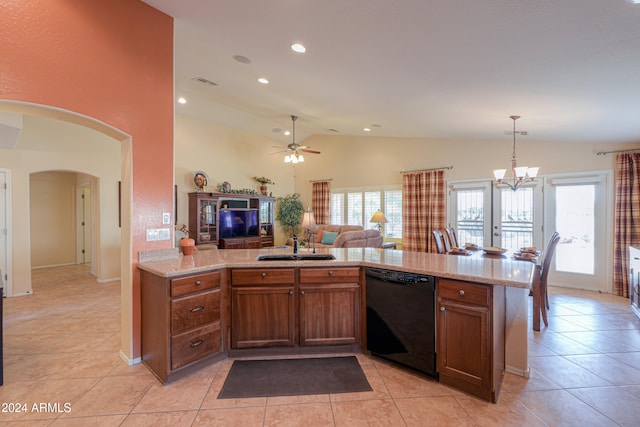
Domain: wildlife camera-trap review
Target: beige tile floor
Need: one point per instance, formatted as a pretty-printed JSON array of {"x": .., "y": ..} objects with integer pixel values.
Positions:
[{"x": 61, "y": 348}]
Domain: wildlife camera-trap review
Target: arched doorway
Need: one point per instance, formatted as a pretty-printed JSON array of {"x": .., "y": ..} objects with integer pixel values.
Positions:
[{"x": 20, "y": 171}]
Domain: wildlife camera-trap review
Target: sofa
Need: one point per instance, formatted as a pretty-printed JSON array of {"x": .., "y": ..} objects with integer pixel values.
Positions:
[{"x": 349, "y": 236}]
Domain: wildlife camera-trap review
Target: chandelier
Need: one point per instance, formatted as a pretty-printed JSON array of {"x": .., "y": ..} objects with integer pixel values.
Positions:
[{"x": 521, "y": 174}]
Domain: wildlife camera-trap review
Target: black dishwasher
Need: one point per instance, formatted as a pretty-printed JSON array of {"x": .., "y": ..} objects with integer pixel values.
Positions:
[{"x": 401, "y": 318}]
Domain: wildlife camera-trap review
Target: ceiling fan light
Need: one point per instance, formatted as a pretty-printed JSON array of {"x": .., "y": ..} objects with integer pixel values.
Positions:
[
  {"x": 533, "y": 172},
  {"x": 499, "y": 174},
  {"x": 294, "y": 158},
  {"x": 301, "y": 158},
  {"x": 520, "y": 171},
  {"x": 287, "y": 159}
]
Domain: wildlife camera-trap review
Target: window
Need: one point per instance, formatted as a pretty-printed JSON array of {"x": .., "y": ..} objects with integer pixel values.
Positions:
[{"x": 357, "y": 207}]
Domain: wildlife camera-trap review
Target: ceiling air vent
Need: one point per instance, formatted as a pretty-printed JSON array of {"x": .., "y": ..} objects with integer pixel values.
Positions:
[
  {"x": 205, "y": 81},
  {"x": 333, "y": 130}
]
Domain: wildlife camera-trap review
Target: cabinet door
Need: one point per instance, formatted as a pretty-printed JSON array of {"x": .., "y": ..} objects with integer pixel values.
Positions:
[
  {"x": 464, "y": 344},
  {"x": 262, "y": 316},
  {"x": 329, "y": 314}
]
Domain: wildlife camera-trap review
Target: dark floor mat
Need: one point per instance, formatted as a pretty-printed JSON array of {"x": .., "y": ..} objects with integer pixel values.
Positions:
[{"x": 292, "y": 377}]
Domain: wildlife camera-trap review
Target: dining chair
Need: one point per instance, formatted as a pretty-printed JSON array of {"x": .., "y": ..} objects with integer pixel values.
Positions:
[
  {"x": 543, "y": 295},
  {"x": 445, "y": 241},
  {"x": 453, "y": 239},
  {"x": 439, "y": 239}
]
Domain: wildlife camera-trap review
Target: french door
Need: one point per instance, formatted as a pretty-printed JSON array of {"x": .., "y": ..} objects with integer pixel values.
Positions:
[
  {"x": 487, "y": 215},
  {"x": 579, "y": 207}
]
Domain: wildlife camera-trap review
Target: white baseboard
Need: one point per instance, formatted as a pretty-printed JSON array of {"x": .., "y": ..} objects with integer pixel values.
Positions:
[
  {"x": 128, "y": 361},
  {"x": 114, "y": 279},
  {"x": 519, "y": 372}
]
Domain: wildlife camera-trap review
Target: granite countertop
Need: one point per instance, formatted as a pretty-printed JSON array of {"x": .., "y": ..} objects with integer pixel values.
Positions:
[{"x": 496, "y": 271}]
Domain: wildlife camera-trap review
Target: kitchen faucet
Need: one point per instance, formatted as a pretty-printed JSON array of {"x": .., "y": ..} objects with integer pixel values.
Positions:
[{"x": 295, "y": 244}]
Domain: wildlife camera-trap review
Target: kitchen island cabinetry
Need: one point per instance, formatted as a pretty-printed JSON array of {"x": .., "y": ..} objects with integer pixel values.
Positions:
[
  {"x": 292, "y": 307},
  {"x": 262, "y": 308},
  {"x": 470, "y": 336},
  {"x": 330, "y": 306},
  {"x": 180, "y": 323}
]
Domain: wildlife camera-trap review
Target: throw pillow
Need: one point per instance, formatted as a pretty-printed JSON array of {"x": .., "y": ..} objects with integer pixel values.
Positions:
[
  {"x": 329, "y": 237},
  {"x": 319, "y": 236}
]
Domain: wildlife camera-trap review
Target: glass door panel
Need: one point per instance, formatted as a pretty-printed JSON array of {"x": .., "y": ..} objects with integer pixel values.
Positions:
[
  {"x": 516, "y": 218},
  {"x": 576, "y": 208}
]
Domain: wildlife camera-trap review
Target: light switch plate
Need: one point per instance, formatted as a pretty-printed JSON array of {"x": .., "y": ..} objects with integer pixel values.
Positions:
[{"x": 166, "y": 218}]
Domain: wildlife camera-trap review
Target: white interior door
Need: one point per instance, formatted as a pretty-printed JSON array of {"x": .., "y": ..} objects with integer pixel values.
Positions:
[
  {"x": 577, "y": 209},
  {"x": 5, "y": 231},
  {"x": 83, "y": 215}
]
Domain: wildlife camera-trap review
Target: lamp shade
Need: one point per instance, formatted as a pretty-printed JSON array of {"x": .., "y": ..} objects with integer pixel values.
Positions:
[
  {"x": 378, "y": 218},
  {"x": 308, "y": 220}
]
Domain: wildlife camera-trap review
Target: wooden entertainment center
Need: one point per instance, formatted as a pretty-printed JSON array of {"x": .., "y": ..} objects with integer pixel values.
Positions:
[{"x": 204, "y": 219}]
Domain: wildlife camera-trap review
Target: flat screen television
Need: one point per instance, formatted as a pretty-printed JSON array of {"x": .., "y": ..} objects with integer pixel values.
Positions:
[{"x": 238, "y": 223}]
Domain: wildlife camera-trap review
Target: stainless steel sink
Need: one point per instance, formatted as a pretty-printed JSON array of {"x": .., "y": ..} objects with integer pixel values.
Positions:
[{"x": 295, "y": 257}]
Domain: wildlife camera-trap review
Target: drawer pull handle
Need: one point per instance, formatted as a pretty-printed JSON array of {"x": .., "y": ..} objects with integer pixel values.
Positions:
[
  {"x": 330, "y": 273},
  {"x": 197, "y": 343},
  {"x": 442, "y": 309},
  {"x": 290, "y": 292},
  {"x": 264, "y": 274},
  {"x": 301, "y": 292},
  {"x": 198, "y": 283},
  {"x": 194, "y": 310},
  {"x": 461, "y": 293}
]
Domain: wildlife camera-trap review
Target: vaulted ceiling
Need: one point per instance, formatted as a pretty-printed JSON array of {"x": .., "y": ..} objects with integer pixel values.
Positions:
[{"x": 413, "y": 68}]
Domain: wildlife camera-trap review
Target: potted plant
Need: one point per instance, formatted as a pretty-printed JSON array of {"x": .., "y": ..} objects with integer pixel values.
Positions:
[
  {"x": 290, "y": 210},
  {"x": 263, "y": 183}
]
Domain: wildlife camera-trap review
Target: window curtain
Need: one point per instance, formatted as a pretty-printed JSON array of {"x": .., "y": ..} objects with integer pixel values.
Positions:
[
  {"x": 423, "y": 209},
  {"x": 320, "y": 201},
  {"x": 627, "y": 218}
]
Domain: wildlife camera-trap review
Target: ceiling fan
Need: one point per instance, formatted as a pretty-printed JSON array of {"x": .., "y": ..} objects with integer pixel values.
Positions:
[{"x": 294, "y": 151}]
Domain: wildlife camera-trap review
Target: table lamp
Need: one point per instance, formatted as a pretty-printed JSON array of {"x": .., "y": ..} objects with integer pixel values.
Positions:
[
  {"x": 309, "y": 223},
  {"x": 379, "y": 218}
]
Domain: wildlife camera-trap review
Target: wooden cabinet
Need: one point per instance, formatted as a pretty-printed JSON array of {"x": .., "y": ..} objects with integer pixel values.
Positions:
[
  {"x": 329, "y": 306},
  {"x": 262, "y": 308},
  {"x": 241, "y": 243},
  {"x": 470, "y": 336},
  {"x": 204, "y": 219},
  {"x": 180, "y": 323},
  {"x": 266, "y": 207},
  {"x": 272, "y": 307}
]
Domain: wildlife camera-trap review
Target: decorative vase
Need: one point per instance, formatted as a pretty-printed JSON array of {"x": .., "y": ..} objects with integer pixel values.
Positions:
[
  {"x": 263, "y": 189},
  {"x": 188, "y": 246}
]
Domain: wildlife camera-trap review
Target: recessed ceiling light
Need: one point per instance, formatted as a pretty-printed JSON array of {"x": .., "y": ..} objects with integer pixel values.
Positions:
[
  {"x": 181, "y": 100},
  {"x": 633, "y": 1},
  {"x": 263, "y": 81},
  {"x": 297, "y": 47},
  {"x": 287, "y": 133},
  {"x": 366, "y": 130},
  {"x": 241, "y": 59}
]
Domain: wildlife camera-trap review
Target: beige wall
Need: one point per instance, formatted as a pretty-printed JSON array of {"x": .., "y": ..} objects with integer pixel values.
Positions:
[
  {"x": 52, "y": 218},
  {"x": 375, "y": 161},
  {"x": 51, "y": 145},
  {"x": 226, "y": 155}
]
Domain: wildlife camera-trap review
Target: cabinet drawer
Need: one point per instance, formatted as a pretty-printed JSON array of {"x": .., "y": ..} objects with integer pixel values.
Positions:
[
  {"x": 329, "y": 275},
  {"x": 463, "y": 292},
  {"x": 263, "y": 276},
  {"x": 187, "y": 285},
  {"x": 195, "y": 310},
  {"x": 193, "y": 345}
]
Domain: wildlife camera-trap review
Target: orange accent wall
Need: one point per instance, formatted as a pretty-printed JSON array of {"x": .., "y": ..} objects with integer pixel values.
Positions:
[{"x": 112, "y": 61}]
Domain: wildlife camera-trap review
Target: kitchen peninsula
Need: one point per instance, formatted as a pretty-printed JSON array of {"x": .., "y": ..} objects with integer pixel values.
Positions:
[{"x": 195, "y": 308}]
